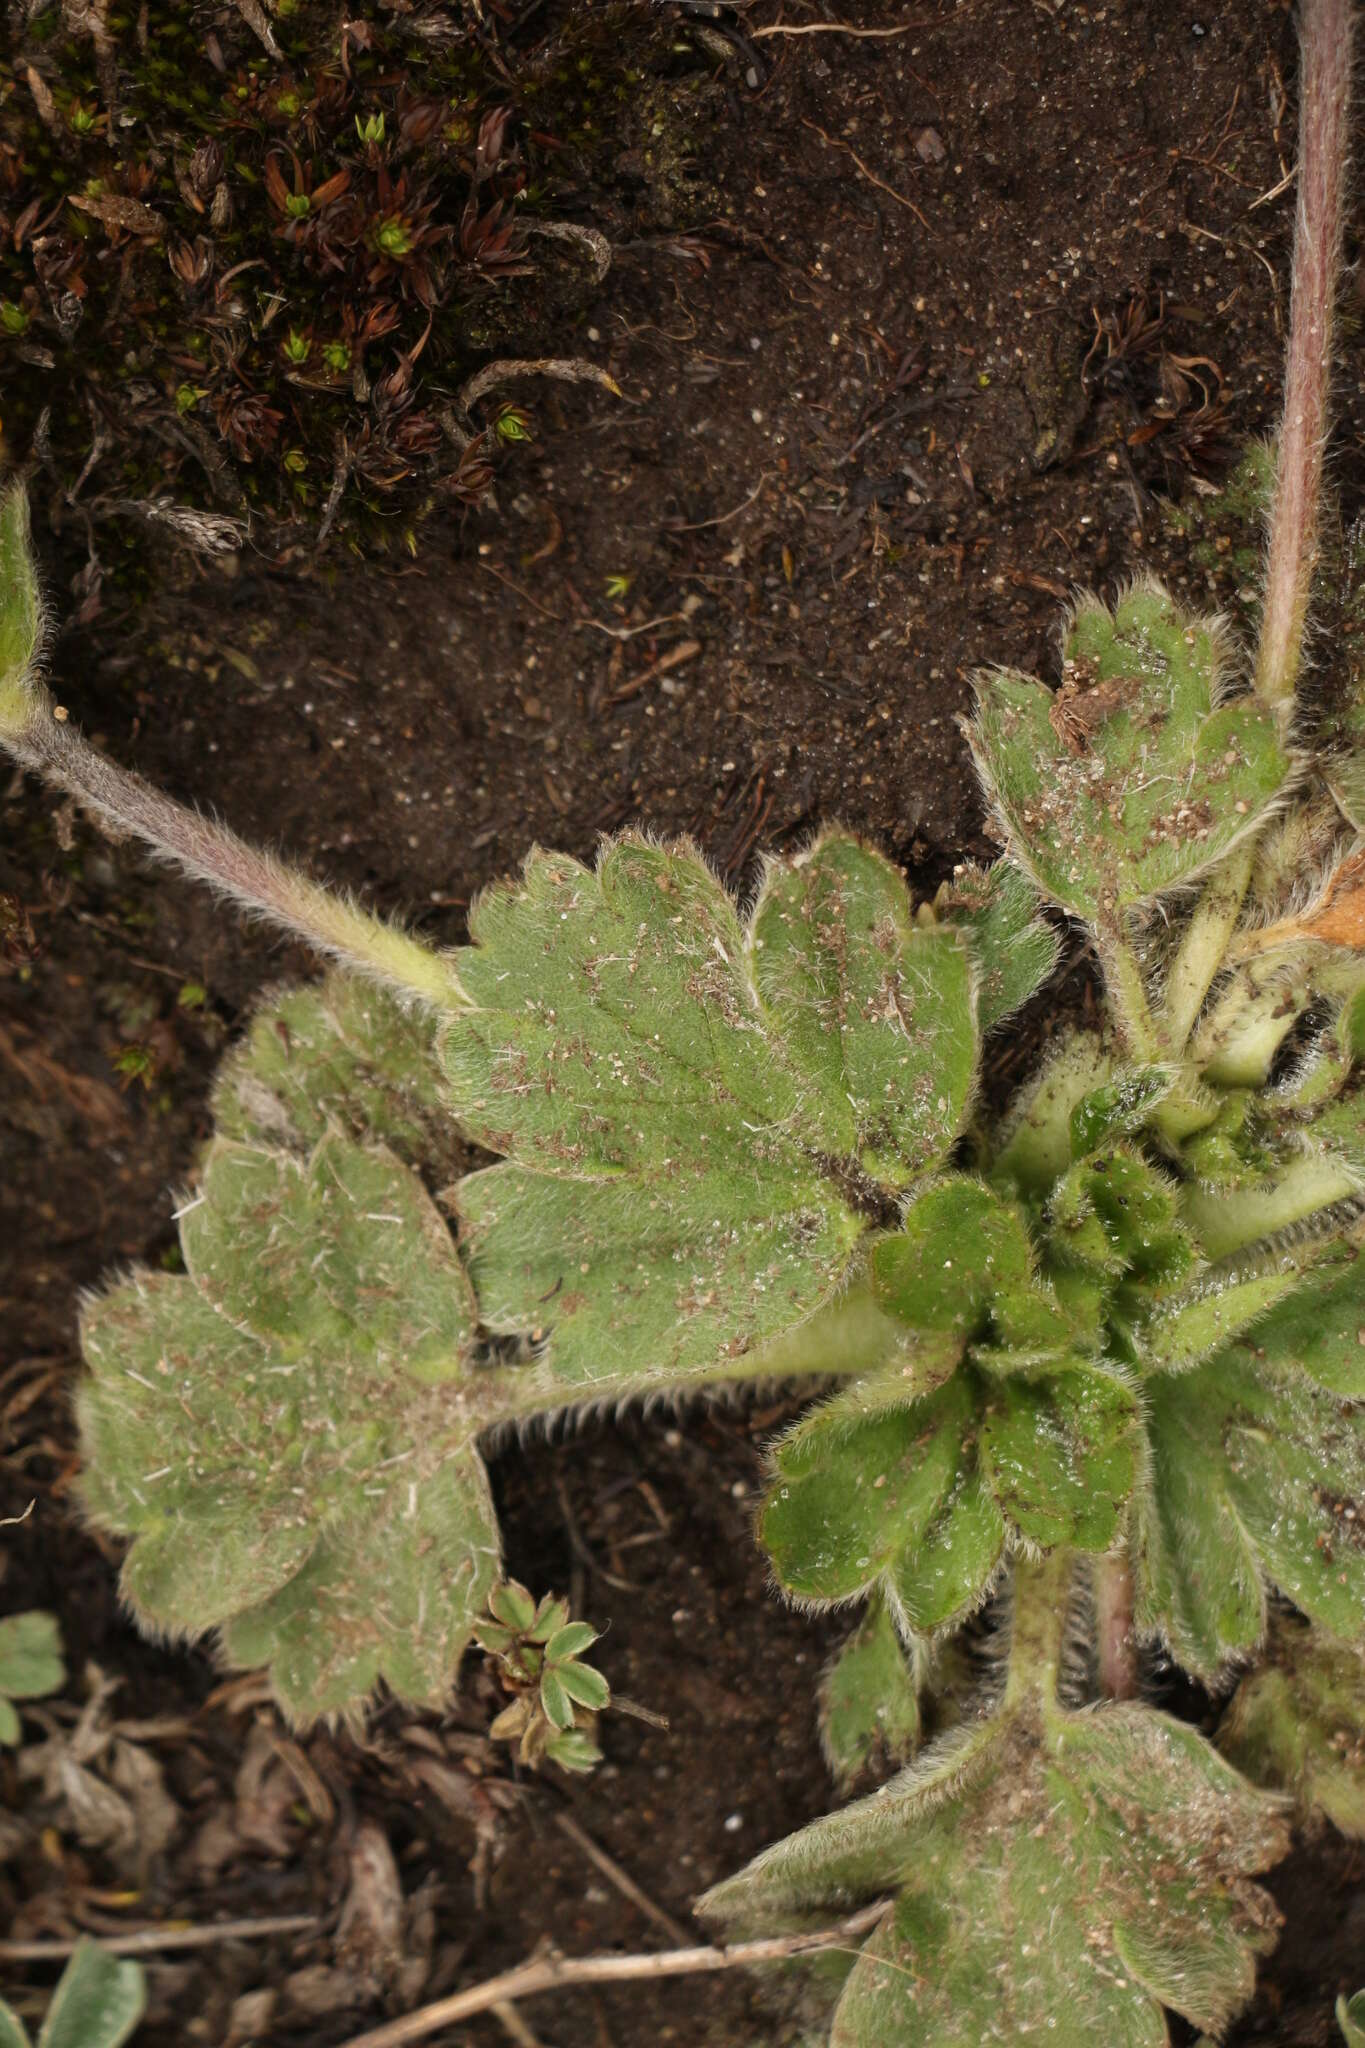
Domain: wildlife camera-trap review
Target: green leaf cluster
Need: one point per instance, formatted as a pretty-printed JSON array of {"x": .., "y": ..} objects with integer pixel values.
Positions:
[{"x": 556, "y": 1695}]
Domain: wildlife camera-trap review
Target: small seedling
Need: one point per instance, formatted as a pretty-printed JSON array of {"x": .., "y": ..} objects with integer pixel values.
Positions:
[
  {"x": 30, "y": 1666},
  {"x": 1099, "y": 1378},
  {"x": 1351, "y": 2019},
  {"x": 98, "y": 2003},
  {"x": 556, "y": 1696}
]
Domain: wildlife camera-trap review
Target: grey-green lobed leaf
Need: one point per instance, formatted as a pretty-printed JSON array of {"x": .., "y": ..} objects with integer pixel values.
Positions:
[
  {"x": 289, "y": 1431},
  {"x": 1132, "y": 777},
  {"x": 1024, "y": 1898},
  {"x": 1255, "y": 1475},
  {"x": 341, "y": 1056},
  {"x": 700, "y": 1117}
]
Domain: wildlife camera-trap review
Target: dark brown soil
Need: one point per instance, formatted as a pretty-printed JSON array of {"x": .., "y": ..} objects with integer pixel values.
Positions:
[{"x": 856, "y": 457}]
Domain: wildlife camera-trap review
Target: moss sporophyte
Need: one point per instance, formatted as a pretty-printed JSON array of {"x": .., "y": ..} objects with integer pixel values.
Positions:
[{"x": 1093, "y": 1372}]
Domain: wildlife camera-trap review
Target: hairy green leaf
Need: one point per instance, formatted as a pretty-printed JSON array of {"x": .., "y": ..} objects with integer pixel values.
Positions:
[
  {"x": 1256, "y": 1475},
  {"x": 916, "y": 1498},
  {"x": 894, "y": 1497},
  {"x": 869, "y": 1700},
  {"x": 700, "y": 1121},
  {"x": 392, "y": 1592},
  {"x": 343, "y": 1250},
  {"x": 344, "y": 1056},
  {"x": 1026, "y": 1900},
  {"x": 852, "y": 986},
  {"x": 1058, "y": 1455},
  {"x": 1132, "y": 777},
  {"x": 1014, "y": 949},
  {"x": 289, "y": 1433},
  {"x": 1297, "y": 1724},
  {"x": 960, "y": 1246},
  {"x": 21, "y": 613}
]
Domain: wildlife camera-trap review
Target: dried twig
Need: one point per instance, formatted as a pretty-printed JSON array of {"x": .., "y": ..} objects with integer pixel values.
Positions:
[
  {"x": 625, "y": 1884},
  {"x": 568, "y": 370},
  {"x": 674, "y": 658},
  {"x": 558, "y": 1973},
  {"x": 253, "y": 14},
  {"x": 504, "y": 578},
  {"x": 591, "y": 239},
  {"x": 721, "y": 518},
  {"x": 832, "y": 28},
  {"x": 148, "y": 1941},
  {"x": 514, "y": 2026}
]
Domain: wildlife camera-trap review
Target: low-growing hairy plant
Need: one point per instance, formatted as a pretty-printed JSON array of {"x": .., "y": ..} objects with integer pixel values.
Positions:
[
  {"x": 98, "y": 2003},
  {"x": 1094, "y": 1370},
  {"x": 30, "y": 1666}
]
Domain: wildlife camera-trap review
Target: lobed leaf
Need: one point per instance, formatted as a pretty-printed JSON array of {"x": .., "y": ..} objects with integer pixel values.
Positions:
[
  {"x": 700, "y": 1121},
  {"x": 1026, "y": 1901},
  {"x": 288, "y": 1433},
  {"x": 1059, "y": 1456},
  {"x": 869, "y": 1700},
  {"x": 392, "y": 1591},
  {"x": 1297, "y": 1725},
  {"x": 309, "y": 1254},
  {"x": 1015, "y": 951},
  {"x": 866, "y": 1002},
  {"x": 892, "y": 1498},
  {"x": 341, "y": 1056},
  {"x": 917, "y": 1498},
  {"x": 1131, "y": 778},
  {"x": 1255, "y": 1478},
  {"x": 960, "y": 1246}
]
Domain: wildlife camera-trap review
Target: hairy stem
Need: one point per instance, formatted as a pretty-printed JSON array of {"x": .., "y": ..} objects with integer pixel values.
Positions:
[
  {"x": 1042, "y": 1595},
  {"x": 334, "y": 924},
  {"x": 1205, "y": 943},
  {"x": 1127, "y": 990},
  {"x": 1325, "y": 44},
  {"x": 1115, "y": 1637},
  {"x": 1231, "y": 1220}
]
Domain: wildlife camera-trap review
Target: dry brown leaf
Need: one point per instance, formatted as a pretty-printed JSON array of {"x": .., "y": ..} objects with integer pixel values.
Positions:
[
  {"x": 121, "y": 215},
  {"x": 1335, "y": 917},
  {"x": 370, "y": 1933}
]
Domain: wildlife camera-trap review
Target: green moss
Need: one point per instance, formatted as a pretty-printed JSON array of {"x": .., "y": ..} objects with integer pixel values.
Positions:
[{"x": 273, "y": 240}]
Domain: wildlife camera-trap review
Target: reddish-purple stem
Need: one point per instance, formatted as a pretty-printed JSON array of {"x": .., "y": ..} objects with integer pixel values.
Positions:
[{"x": 1325, "y": 43}]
